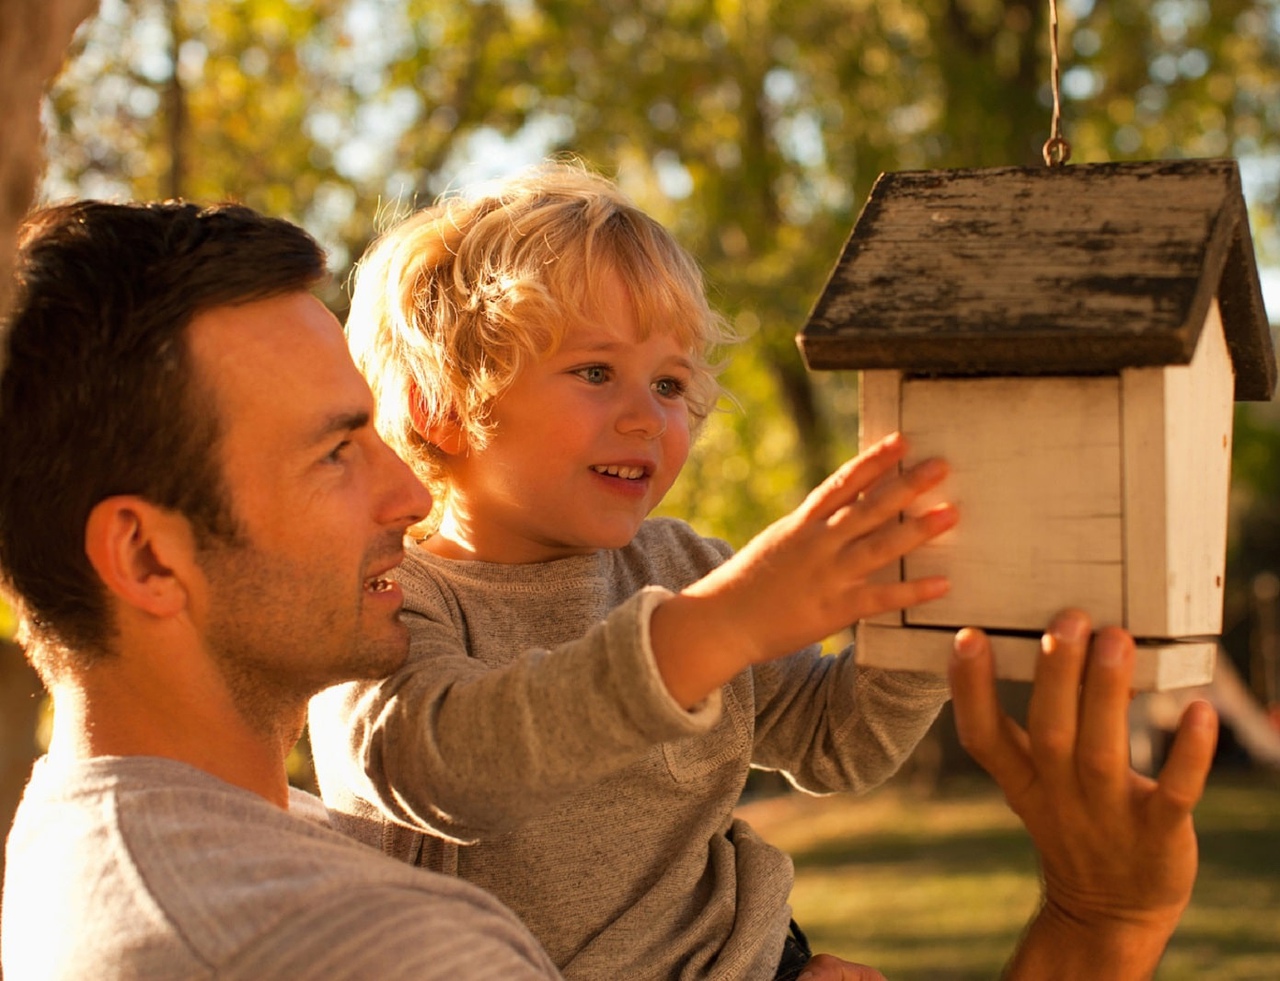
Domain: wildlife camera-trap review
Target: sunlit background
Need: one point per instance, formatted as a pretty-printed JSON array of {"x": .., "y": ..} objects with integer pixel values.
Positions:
[{"x": 752, "y": 128}]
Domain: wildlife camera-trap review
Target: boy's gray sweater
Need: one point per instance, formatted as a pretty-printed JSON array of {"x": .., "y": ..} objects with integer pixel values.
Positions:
[{"x": 532, "y": 738}]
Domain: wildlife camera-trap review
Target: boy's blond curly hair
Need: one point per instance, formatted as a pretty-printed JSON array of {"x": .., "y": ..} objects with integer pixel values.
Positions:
[{"x": 451, "y": 303}]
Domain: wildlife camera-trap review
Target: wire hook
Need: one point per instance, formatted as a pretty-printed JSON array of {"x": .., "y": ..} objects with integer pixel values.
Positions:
[{"x": 1057, "y": 150}]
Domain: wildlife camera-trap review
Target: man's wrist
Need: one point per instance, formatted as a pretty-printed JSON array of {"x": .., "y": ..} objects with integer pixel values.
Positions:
[{"x": 1058, "y": 945}]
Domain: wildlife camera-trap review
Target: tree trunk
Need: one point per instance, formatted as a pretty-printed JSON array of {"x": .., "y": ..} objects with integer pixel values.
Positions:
[
  {"x": 20, "y": 692},
  {"x": 34, "y": 35}
]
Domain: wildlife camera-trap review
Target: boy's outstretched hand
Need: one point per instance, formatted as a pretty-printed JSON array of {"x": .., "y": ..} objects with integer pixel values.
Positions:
[
  {"x": 1117, "y": 849},
  {"x": 805, "y": 577}
]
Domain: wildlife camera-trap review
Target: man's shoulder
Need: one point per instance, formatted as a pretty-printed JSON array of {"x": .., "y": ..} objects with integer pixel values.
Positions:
[{"x": 158, "y": 867}]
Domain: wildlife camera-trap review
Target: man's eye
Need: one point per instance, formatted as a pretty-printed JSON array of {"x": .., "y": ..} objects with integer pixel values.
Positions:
[{"x": 337, "y": 454}]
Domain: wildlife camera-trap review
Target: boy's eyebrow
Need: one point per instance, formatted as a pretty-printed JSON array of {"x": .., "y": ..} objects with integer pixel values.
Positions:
[{"x": 608, "y": 346}]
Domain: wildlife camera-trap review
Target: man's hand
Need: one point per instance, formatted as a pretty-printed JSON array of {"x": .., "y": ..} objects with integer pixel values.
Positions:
[
  {"x": 825, "y": 967},
  {"x": 1117, "y": 849}
]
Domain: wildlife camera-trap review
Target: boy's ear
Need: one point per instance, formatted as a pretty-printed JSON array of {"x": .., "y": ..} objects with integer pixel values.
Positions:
[
  {"x": 447, "y": 436},
  {"x": 141, "y": 552}
]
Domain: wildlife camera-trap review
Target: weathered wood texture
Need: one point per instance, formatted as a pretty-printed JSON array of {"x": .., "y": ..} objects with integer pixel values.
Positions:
[
  {"x": 1177, "y": 480},
  {"x": 1157, "y": 667},
  {"x": 1063, "y": 270},
  {"x": 880, "y": 414},
  {"x": 1035, "y": 473}
]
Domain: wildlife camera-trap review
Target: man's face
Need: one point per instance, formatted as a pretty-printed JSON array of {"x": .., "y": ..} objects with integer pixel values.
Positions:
[{"x": 300, "y": 601}]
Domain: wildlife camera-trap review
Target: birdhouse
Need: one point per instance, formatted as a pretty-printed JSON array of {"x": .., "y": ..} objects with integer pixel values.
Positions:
[{"x": 1072, "y": 341}]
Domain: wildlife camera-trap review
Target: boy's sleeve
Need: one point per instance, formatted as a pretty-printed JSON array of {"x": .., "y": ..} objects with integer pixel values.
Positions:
[
  {"x": 832, "y": 725},
  {"x": 464, "y": 749}
]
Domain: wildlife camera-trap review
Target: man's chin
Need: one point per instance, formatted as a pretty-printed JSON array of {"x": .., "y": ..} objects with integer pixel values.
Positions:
[{"x": 384, "y": 657}]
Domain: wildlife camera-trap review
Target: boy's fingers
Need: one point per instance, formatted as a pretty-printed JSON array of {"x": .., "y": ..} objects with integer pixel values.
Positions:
[
  {"x": 891, "y": 495},
  {"x": 1186, "y": 768},
  {"x": 846, "y": 483},
  {"x": 1102, "y": 754},
  {"x": 889, "y": 541},
  {"x": 1053, "y": 713},
  {"x": 885, "y": 597}
]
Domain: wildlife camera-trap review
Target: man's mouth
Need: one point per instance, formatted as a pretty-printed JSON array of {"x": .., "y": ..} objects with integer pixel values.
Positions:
[
  {"x": 626, "y": 473},
  {"x": 378, "y": 584}
]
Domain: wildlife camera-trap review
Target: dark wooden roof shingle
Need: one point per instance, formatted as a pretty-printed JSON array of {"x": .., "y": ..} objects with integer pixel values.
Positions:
[{"x": 1063, "y": 270}]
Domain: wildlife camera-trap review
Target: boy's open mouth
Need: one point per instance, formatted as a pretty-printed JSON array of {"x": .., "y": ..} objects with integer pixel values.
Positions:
[
  {"x": 626, "y": 473},
  {"x": 378, "y": 584}
]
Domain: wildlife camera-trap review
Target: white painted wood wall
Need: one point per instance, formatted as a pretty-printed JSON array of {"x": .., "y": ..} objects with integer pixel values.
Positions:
[{"x": 1104, "y": 492}]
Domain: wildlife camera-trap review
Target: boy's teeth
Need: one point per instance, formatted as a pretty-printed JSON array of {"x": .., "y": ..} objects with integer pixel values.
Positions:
[
  {"x": 378, "y": 584},
  {"x": 626, "y": 473}
]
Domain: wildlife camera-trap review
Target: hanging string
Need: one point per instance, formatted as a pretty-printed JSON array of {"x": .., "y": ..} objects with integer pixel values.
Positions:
[{"x": 1057, "y": 150}]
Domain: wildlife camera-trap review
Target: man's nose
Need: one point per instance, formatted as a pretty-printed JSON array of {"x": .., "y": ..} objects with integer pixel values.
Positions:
[{"x": 407, "y": 499}]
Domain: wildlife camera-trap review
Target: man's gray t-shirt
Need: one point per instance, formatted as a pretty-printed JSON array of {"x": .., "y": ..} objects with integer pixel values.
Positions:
[{"x": 139, "y": 867}]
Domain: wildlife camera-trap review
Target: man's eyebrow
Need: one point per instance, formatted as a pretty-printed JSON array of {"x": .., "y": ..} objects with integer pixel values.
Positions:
[{"x": 341, "y": 422}]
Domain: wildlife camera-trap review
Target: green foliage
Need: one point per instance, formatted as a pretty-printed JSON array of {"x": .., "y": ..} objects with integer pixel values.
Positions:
[{"x": 752, "y": 128}]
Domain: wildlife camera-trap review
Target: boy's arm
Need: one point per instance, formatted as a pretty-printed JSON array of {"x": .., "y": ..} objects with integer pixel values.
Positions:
[
  {"x": 832, "y": 724},
  {"x": 455, "y": 746},
  {"x": 804, "y": 577},
  {"x": 1117, "y": 849}
]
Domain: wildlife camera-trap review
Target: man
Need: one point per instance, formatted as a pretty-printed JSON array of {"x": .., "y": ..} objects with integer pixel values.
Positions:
[{"x": 197, "y": 522}]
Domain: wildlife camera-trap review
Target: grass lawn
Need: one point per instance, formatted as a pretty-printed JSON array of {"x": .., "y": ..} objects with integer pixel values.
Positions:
[{"x": 940, "y": 887}]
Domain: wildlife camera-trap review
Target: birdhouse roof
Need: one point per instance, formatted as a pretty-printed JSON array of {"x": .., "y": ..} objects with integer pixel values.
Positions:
[{"x": 1049, "y": 270}]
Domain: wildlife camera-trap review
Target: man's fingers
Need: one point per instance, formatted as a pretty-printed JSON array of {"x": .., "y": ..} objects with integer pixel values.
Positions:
[
  {"x": 1102, "y": 752},
  {"x": 1053, "y": 713},
  {"x": 1186, "y": 768},
  {"x": 990, "y": 737}
]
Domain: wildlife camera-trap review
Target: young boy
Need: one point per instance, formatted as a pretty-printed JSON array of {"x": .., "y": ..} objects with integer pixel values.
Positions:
[{"x": 587, "y": 688}]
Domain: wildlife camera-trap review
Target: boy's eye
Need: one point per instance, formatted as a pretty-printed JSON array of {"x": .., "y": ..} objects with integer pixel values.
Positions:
[
  {"x": 596, "y": 374},
  {"x": 670, "y": 388}
]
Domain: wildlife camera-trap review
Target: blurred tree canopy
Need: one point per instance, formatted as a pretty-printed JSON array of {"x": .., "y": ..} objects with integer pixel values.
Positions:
[{"x": 752, "y": 128}]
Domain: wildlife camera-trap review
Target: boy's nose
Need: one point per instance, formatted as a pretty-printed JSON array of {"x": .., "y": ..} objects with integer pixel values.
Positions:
[{"x": 643, "y": 415}]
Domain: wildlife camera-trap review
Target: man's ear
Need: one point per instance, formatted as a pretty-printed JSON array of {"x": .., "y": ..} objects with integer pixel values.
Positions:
[
  {"x": 447, "y": 435},
  {"x": 141, "y": 552}
]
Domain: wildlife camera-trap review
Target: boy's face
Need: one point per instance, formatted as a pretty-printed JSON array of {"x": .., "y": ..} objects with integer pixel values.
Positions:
[
  {"x": 584, "y": 445},
  {"x": 321, "y": 504}
]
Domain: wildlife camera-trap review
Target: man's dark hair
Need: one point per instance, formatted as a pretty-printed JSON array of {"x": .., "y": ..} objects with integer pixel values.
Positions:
[{"x": 97, "y": 392}]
